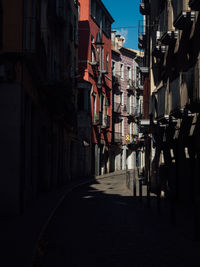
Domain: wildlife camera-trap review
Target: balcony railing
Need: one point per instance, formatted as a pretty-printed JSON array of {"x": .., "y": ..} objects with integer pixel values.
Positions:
[
  {"x": 167, "y": 32},
  {"x": 159, "y": 50},
  {"x": 117, "y": 137},
  {"x": 97, "y": 119},
  {"x": 132, "y": 111},
  {"x": 168, "y": 36},
  {"x": 144, "y": 70},
  {"x": 145, "y": 7},
  {"x": 182, "y": 14},
  {"x": 194, "y": 5},
  {"x": 131, "y": 85},
  {"x": 117, "y": 107}
]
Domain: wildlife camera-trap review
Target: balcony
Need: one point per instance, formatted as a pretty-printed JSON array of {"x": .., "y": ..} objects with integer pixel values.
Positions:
[
  {"x": 117, "y": 108},
  {"x": 131, "y": 85},
  {"x": 106, "y": 122},
  {"x": 159, "y": 50},
  {"x": 144, "y": 70},
  {"x": 168, "y": 37},
  {"x": 132, "y": 141},
  {"x": 194, "y": 5},
  {"x": 184, "y": 18},
  {"x": 132, "y": 111},
  {"x": 145, "y": 7},
  {"x": 116, "y": 83},
  {"x": 117, "y": 137},
  {"x": 97, "y": 119},
  {"x": 167, "y": 32}
]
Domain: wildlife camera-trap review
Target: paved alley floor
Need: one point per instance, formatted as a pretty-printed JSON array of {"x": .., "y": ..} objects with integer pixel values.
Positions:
[{"x": 102, "y": 224}]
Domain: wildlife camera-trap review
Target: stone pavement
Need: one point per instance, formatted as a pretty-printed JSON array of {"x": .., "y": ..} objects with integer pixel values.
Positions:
[{"x": 102, "y": 224}]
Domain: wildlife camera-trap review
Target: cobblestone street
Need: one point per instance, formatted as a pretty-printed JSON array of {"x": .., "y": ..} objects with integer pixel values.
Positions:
[{"x": 102, "y": 224}]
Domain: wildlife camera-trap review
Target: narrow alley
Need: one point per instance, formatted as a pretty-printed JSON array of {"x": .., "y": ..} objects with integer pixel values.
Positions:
[{"x": 102, "y": 224}]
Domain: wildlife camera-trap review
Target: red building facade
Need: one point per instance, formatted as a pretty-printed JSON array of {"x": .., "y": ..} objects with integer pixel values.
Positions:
[{"x": 95, "y": 80}]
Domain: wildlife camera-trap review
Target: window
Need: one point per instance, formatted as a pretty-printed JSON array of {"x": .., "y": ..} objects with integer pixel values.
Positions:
[
  {"x": 122, "y": 71},
  {"x": 113, "y": 68},
  {"x": 128, "y": 73},
  {"x": 102, "y": 58},
  {"x": 122, "y": 99},
  {"x": 130, "y": 128},
  {"x": 79, "y": 11},
  {"x": 104, "y": 22},
  {"x": 122, "y": 126},
  {"x": 94, "y": 103},
  {"x": 93, "y": 8},
  {"x": 97, "y": 54},
  {"x": 92, "y": 49},
  {"x": 128, "y": 103},
  {"x": 98, "y": 15},
  {"x": 102, "y": 103},
  {"x": 107, "y": 62},
  {"x": 137, "y": 75},
  {"x": 108, "y": 27}
]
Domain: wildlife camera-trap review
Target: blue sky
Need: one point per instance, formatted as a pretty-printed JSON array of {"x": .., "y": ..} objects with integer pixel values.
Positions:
[{"x": 125, "y": 13}]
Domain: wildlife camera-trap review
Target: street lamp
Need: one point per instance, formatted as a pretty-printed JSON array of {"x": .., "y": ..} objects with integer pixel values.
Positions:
[{"x": 98, "y": 43}]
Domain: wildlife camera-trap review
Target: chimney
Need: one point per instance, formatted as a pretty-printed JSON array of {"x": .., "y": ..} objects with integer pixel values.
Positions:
[{"x": 120, "y": 41}]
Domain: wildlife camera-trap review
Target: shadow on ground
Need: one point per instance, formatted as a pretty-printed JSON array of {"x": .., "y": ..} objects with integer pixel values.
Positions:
[{"x": 103, "y": 225}]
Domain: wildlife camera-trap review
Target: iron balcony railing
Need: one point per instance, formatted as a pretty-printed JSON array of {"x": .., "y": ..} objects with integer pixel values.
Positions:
[
  {"x": 116, "y": 81},
  {"x": 167, "y": 32},
  {"x": 133, "y": 111},
  {"x": 117, "y": 107},
  {"x": 131, "y": 85},
  {"x": 182, "y": 14}
]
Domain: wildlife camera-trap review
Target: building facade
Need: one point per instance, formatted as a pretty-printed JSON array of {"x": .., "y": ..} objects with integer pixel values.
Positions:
[
  {"x": 127, "y": 105},
  {"x": 172, "y": 48},
  {"x": 95, "y": 81},
  {"x": 38, "y": 67}
]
